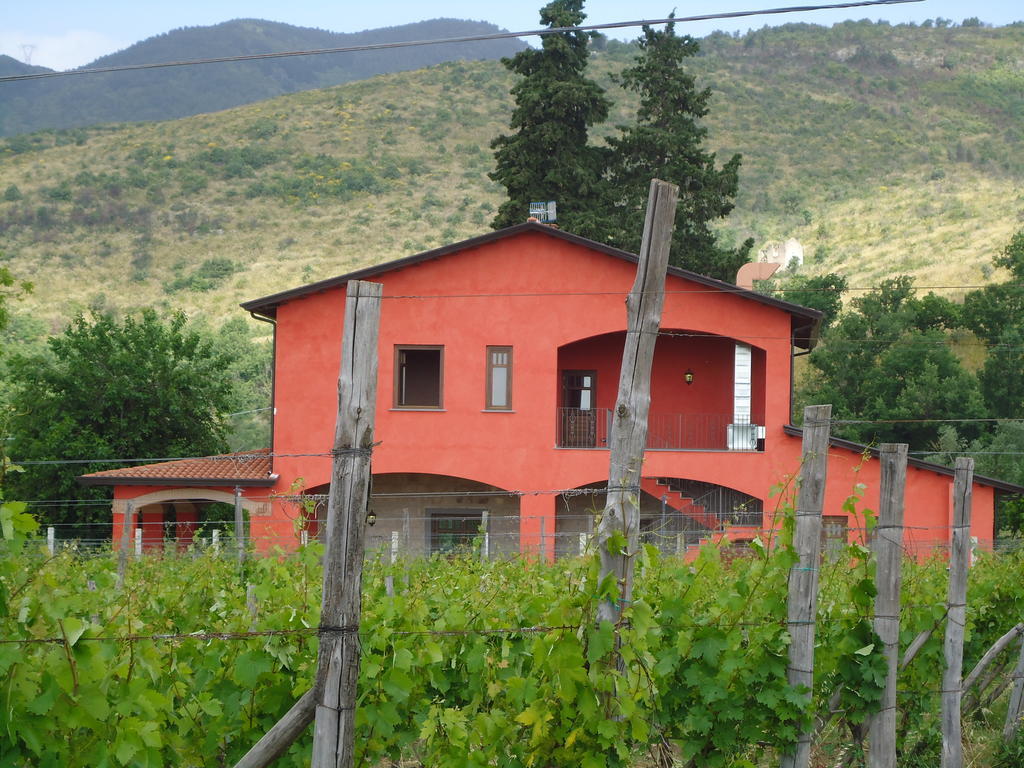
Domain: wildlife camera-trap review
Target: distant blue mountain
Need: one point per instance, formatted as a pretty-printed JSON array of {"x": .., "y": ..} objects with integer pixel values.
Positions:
[{"x": 166, "y": 93}]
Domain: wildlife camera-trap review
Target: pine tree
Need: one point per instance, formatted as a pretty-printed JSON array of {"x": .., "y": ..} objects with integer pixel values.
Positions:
[
  {"x": 666, "y": 143},
  {"x": 548, "y": 156}
]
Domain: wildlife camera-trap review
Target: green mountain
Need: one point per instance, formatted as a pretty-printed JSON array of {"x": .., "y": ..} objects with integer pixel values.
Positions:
[
  {"x": 10, "y": 67},
  {"x": 881, "y": 149},
  {"x": 162, "y": 94}
]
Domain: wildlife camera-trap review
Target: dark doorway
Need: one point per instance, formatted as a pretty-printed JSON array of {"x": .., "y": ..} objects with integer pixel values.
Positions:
[{"x": 578, "y": 414}]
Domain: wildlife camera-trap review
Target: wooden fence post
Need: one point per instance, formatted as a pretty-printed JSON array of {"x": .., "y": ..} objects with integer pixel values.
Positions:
[
  {"x": 122, "y": 554},
  {"x": 803, "y": 577},
  {"x": 338, "y": 665},
  {"x": 628, "y": 434},
  {"x": 1016, "y": 707},
  {"x": 252, "y": 605},
  {"x": 239, "y": 525},
  {"x": 331, "y": 701},
  {"x": 956, "y": 614},
  {"x": 389, "y": 579},
  {"x": 888, "y": 546}
]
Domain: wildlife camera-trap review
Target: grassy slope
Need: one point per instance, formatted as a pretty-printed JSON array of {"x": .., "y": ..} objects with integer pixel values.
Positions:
[{"x": 882, "y": 149}]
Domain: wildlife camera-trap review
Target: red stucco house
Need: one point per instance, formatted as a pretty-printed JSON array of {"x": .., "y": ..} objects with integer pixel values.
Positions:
[{"x": 499, "y": 361}]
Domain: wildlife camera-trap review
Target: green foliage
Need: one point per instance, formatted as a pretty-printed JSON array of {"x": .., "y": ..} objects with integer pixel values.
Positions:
[
  {"x": 821, "y": 292},
  {"x": 666, "y": 142},
  {"x": 206, "y": 276},
  {"x": 548, "y": 157},
  {"x": 445, "y": 679},
  {"x": 10, "y": 289},
  {"x": 888, "y": 359},
  {"x": 1010, "y": 755},
  {"x": 319, "y": 177},
  {"x": 141, "y": 387}
]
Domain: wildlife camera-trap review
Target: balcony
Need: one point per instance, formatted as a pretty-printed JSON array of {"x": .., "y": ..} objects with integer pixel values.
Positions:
[{"x": 590, "y": 428}]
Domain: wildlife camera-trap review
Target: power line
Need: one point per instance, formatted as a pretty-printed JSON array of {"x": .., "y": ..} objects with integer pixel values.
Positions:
[
  {"x": 725, "y": 288},
  {"x": 449, "y": 40}
]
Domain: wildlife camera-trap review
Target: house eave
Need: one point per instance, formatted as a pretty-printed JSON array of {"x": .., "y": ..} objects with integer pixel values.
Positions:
[
  {"x": 188, "y": 482},
  {"x": 849, "y": 445}
]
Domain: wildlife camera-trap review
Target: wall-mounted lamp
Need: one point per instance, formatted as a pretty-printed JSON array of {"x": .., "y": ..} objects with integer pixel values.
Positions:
[
  {"x": 688, "y": 376},
  {"x": 371, "y": 518}
]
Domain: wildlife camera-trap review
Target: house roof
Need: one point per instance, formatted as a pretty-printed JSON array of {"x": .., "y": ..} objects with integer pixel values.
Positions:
[
  {"x": 849, "y": 445},
  {"x": 805, "y": 323},
  {"x": 251, "y": 468}
]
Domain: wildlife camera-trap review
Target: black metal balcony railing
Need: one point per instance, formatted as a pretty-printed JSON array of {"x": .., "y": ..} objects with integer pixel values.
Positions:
[{"x": 578, "y": 428}]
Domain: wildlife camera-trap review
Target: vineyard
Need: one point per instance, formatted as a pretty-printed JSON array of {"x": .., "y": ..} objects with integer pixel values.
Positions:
[{"x": 474, "y": 663}]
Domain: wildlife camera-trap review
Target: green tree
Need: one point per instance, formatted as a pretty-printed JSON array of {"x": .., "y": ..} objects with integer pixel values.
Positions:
[
  {"x": 888, "y": 360},
  {"x": 10, "y": 289},
  {"x": 666, "y": 142},
  {"x": 995, "y": 314},
  {"x": 141, "y": 387},
  {"x": 548, "y": 157},
  {"x": 991, "y": 310},
  {"x": 821, "y": 292}
]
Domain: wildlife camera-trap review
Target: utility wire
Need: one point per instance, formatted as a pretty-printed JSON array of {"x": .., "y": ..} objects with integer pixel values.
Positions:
[
  {"x": 449, "y": 40},
  {"x": 246, "y": 457},
  {"x": 725, "y": 288}
]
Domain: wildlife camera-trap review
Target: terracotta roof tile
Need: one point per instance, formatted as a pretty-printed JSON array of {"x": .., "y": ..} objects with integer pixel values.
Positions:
[{"x": 246, "y": 468}]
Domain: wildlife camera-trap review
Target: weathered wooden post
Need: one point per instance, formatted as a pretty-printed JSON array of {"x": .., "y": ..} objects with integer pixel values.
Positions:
[
  {"x": 1016, "y": 707},
  {"x": 338, "y": 666},
  {"x": 956, "y": 614},
  {"x": 51, "y": 540},
  {"x": 888, "y": 546},
  {"x": 239, "y": 525},
  {"x": 332, "y": 699},
  {"x": 628, "y": 434},
  {"x": 803, "y": 577},
  {"x": 389, "y": 579},
  {"x": 252, "y": 605},
  {"x": 138, "y": 542},
  {"x": 122, "y": 554}
]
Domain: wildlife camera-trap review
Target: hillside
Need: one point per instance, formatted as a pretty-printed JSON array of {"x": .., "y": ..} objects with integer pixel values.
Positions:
[
  {"x": 162, "y": 94},
  {"x": 882, "y": 149}
]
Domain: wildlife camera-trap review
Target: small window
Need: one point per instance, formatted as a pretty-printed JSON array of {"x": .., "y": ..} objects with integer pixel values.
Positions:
[
  {"x": 419, "y": 377},
  {"x": 499, "y": 378}
]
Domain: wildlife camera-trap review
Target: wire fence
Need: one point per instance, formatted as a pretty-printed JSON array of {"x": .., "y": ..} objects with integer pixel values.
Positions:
[{"x": 491, "y": 536}]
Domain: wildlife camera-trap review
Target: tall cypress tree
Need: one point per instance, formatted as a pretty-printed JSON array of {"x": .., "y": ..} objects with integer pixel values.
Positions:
[
  {"x": 547, "y": 156},
  {"x": 666, "y": 143}
]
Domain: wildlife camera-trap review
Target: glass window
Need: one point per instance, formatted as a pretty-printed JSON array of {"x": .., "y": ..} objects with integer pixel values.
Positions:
[
  {"x": 499, "y": 378},
  {"x": 419, "y": 376}
]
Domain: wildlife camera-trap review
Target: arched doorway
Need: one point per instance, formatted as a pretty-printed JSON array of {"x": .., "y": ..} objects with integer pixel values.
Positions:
[
  {"x": 417, "y": 515},
  {"x": 177, "y": 516}
]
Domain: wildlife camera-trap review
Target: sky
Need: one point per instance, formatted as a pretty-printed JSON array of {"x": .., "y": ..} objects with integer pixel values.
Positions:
[{"x": 62, "y": 34}]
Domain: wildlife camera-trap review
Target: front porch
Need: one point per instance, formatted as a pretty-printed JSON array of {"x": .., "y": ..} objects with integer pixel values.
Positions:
[{"x": 707, "y": 393}]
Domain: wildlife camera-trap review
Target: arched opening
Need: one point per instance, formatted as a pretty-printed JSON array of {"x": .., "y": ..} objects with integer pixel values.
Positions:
[
  {"x": 675, "y": 514},
  {"x": 180, "y": 517},
  {"x": 670, "y": 527},
  {"x": 417, "y": 515},
  {"x": 707, "y": 392}
]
